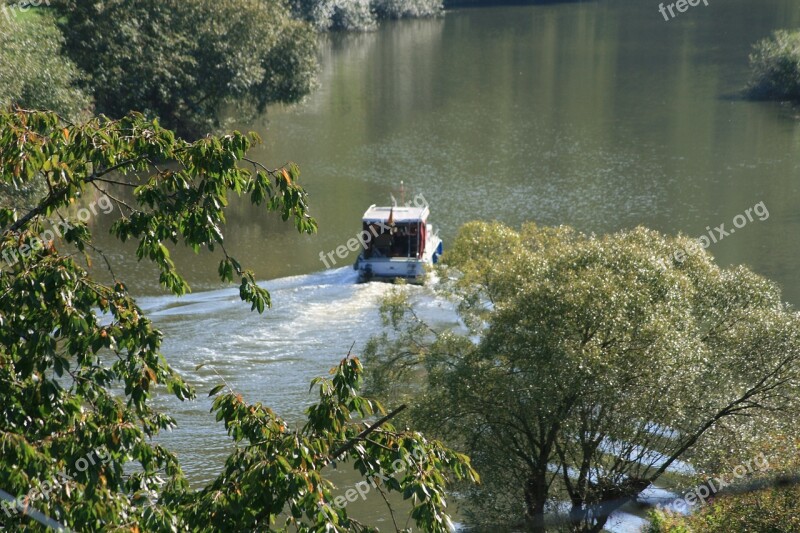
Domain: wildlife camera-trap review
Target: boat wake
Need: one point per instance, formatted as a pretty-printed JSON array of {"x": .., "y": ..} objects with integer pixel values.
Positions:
[
  {"x": 212, "y": 301},
  {"x": 270, "y": 357}
]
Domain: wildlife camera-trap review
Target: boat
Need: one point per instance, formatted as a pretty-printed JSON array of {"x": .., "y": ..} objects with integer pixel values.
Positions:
[{"x": 398, "y": 243}]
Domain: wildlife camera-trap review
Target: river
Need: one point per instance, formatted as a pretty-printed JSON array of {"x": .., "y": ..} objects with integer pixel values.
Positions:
[{"x": 600, "y": 115}]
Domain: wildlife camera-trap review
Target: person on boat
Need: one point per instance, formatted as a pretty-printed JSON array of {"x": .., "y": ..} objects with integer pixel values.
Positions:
[{"x": 382, "y": 245}]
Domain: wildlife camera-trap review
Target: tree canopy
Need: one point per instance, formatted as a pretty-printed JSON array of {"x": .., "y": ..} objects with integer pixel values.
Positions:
[
  {"x": 589, "y": 369},
  {"x": 80, "y": 361},
  {"x": 33, "y": 73},
  {"x": 183, "y": 61}
]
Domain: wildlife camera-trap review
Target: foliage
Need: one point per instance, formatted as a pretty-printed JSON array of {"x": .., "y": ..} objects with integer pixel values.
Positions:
[
  {"x": 26, "y": 196},
  {"x": 360, "y": 15},
  {"x": 588, "y": 368},
  {"x": 33, "y": 74},
  {"x": 59, "y": 358},
  {"x": 79, "y": 360},
  {"x": 767, "y": 503},
  {"x": 396, "y": 9},
  {"x": 183, "y": 61},
  {"x": 347, "y": 15},
  {"x": 290, "y": 463},
  {"x": 775, "y": 63}
]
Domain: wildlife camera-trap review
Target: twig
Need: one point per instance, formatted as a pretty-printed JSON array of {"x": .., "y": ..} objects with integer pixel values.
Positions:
[
  {"x": 103, "y": 255},
  {"x": 389, "y": 505},
  {"x": 115, "y": 182},
  {"x": 352, "y": 442},
  {"x": 117, "y": 200}
]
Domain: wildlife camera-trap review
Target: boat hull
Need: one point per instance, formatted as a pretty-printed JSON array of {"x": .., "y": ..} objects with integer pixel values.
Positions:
[{"x": 411, "y": 269}]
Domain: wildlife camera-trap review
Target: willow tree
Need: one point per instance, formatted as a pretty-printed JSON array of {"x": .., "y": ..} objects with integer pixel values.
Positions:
[
  {"x": 590, "y": 368},
  {"x": 80, "y": 361}
]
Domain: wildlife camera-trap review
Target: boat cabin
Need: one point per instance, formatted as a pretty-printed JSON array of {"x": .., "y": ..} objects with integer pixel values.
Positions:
[
  {"x": 398, "y": 243},
  {"x": 395, "y": 231}
]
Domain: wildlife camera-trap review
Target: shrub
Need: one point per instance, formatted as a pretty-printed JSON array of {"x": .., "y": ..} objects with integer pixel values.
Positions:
[
  {"x": 360, "y": 15},
  {"x": 775, "y": 63},
  {"x": 352, "y": 15},
  {"x": 326, "y": 15},
  {"x": 395, "y": 9}
]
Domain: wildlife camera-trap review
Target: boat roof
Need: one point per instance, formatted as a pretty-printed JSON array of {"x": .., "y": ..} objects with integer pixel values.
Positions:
[{"x": 400, "y": 214}]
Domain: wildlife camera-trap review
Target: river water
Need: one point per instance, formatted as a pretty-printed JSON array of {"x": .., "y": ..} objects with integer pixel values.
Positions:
[{"x": 600, "y": 115}]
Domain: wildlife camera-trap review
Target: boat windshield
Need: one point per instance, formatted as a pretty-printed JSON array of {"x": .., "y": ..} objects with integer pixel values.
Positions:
[{"x": 398, "y": 240}]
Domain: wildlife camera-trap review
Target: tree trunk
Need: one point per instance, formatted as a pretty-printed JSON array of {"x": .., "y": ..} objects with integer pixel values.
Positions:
[
  {"x": 581, "y": 522},
  {"x": 535, "y": 500}
]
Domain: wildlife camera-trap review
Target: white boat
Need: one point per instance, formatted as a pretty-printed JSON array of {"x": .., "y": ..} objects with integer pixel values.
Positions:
[{"x": 398, "y": 243}]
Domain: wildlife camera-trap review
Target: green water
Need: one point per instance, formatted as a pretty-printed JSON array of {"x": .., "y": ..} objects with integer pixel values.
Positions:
[{"x": 599, "y": 115}]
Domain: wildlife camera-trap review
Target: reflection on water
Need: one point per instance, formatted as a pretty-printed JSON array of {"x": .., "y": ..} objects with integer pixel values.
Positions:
[{"x": 600, "y": 115}]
